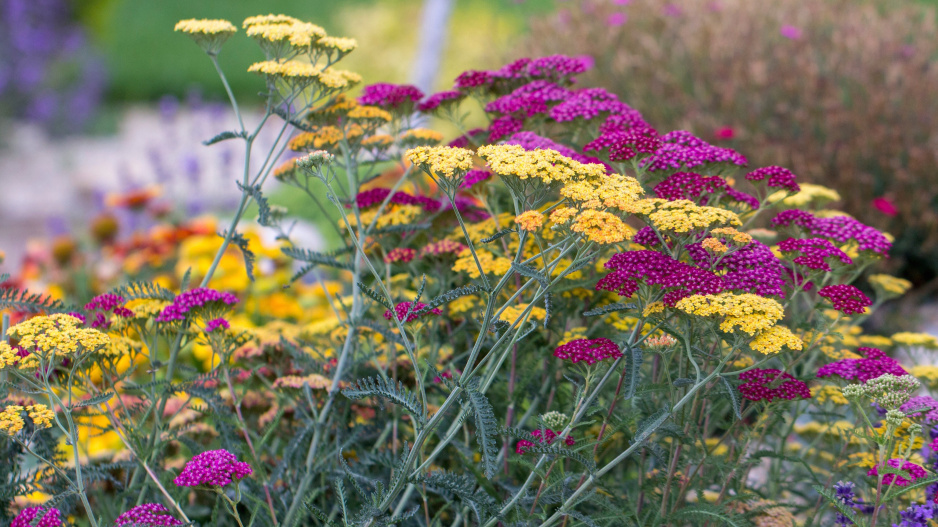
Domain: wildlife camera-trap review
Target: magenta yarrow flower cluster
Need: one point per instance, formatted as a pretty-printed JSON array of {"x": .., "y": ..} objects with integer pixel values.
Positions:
[
  {"x": 927, "y": 406},
  {"x": 216, "y": 323},
  {"x": 51, "y": 517},
  {"x": 148, "y": 514},
  {"x": 376, "y": 196},
  {"x": 200, "y": 297},
  {"x": 841, "y": 229},
  {"x": 390, "y": 96},
  {"x": 213, "y": 468},
  {"x": 775, "y": 177},
  {"x": 764, "y": 385},
  {"x": 752, "y": 268},
  {"x": 700, "y": 189},
  {"x": 589, "y": 351},
  {"x": 683, "y": 150},
  {"x": 814, "y": 252},
  {"x": 504, "y": 126},
  {"x": 474, "y": 177},
  {"x": 528, "y": 100},
  {"x": 441, "y": 247},
  {"x": 626, "y": 145},
  {"x": 440, "y": 99},
  {"x": 846, "y": 298},
  {"x": 873, "y": 365},
  {"x": 544, "y": 437},
  {"x": 400, "y": 255},
  {"x": 554, "y": 67},
  {"x": 401, "y": 309},
  {"x": 474, "y": 135},
  {"x": 654, "y": 268},
  {"x": 106, "y": 303},
  {"x": 588, "y": 104},
  {"x": 915, "y": 473}
]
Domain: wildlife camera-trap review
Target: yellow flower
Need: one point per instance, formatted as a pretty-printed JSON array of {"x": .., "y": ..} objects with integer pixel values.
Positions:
[
  {"x": 926, "y": 373},
  {"x": 614, "y": 191},
  {"x": 292, "y": 69},
  {"x": 491, "y": 264},
  {"x": 923, "y": 340},
  {"x": 341, "y": 44},
  {"x": 338, "y": 79},
  {"x": 325, "y": 137},
  {"x": 890, "y": 285},
  {"x": 363, "y": 113},
  {"x": 296, "y": 33},
  {"x": 562, "y": 215},
  {"x": 714, "y": 245},
  {"x": 771, "y": 340},
  {"x": 444, "y": 161},
  {"x": 11, "y": 420},
  {"x": 204, "y": 26},
  {"x": 602, "y": 227},
  {"x": 572, "y": 334},
  {"x": 546, "y": 165},
  {"x": 874, "y": 341},
  {"x": 829, "y": 393},
  {"x": 512, "y": 313},
  {"x": 421, "y": 136},
  {"x": 269, "y": 19},
  {"x": 315, "y": 382},
  {"x": 809, "y": 194},
  {"x": 41, "y": 415},
  {"x": 682, "y": 216},
  {"x": 654, "y": 307},
  {"x": 738, "y": 237},
  {"x": 530, "y": 220},
  {"x": 43, "y": 334},
  {"x": 378, "y": 141},
  {"x": 752, "y": 313},
  {"x": 836, "y": 429}
]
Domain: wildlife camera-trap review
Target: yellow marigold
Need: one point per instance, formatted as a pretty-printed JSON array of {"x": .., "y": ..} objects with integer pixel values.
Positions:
[
  {"x": 739, "y": 237},
  {"x": 298, "y": 34},
  {"x": 530, "y": 220},
  {"x": 926, "y": 373},
  {"x": 923, "y": 340},
  {"x": 11, "y": 419},
  {"x": 562, "y": 215},
  {"x": 683, "y": 215},
  {"x": 369, "y": 113},
  {"x": 809, "y": 194},
  {"x": 652, "y": 308},
  {"x": 423, "y": 135},
  {"x": 714, "y": 245},
  {"x": 324, "y": 137},
  {"x": 752, "y": 313},
  {"x": 602, "y": 227},
  {"x": 614, "y": 191},
  {"x": 269, "y": 19},
  {"x": 491, "y": 264},
  {"x": 341, "y": 44},
  {"x": 771, "y": 340},
  {"x": 40, "y": 335},
  {"x": 891, "y": 285},
  {"x": 41, "y": 415},
  {"x": 444, "y": 161},
  {"x": 512, "y": 313},
  {"x": 829, "y": 393},
  {"x": 205, "y": 26},
  {"x": 546, "y": 165},
  {"x": 315, "y": 382}
]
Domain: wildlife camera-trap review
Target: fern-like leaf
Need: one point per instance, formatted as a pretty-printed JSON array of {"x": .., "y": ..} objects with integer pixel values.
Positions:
[
  {"x": 633, "y": 367},
  {"x": 144, "y": 290},
  {"x": 243, "y": 244},
  {"x": 733, "y": 395},
  {"x": 372, "y": 294},
  {"x": 313, "y": 257},
  {"x": 224, "y": 136},
  {"x": 497, "y": 235},
  {"x": 839, "y": 505},
  {"x": 531, "y": 272},
  {"x": 708, "y": 513},
  {"x": 486, "y": 428},
  {"x": 618, "y": 306},
  {"x": 263, "y": 206},
  {"x": 22, "y": 300},
  {"x": 386, "y": 389}
]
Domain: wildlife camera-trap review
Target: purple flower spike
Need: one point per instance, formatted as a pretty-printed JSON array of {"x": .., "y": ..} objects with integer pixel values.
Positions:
[{"x": 214, "y": 468}]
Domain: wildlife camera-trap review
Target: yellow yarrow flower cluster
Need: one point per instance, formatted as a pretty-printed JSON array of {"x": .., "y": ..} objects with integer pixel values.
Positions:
[
  {"x": 444, "y": 161},
  {"x": 367, "y": 113},
  {"x": 653, "y": 308},
  {"x": 341, "y": 44},
  {"x": 393, "y": 215},
  {"x": 338, "y": 79},
  {"x": 738, "y": 237},
  {"x": 512, "y": 313},
  {"x": 546, "y": 165},
  {"x": 926, "y": 373},
  {"x": 205, "y": 27},
  {"x": 829, "y": 393},
  {"x": 530, "y": 220},
  {"x": 422, "y": 136},
  {"x": 772, "y": 339},
  {"x": 572, "y": 334},
  {"x": 378, "y": 141},
  {"x": 296, "y": 33},
  {"x": 562, "y": 215},
  {"x": 681, "y": 216},
  {"x": 809, "y": 194},
  {"x": 714, "y": 245},
  {"x": 602, "y": 227},
  {"x": 11, "y": 419},
  {"x": 613, "y": 191},
  {"x": 874, "y": 341},
  {"x": 923, "y": 340},
  {"x": 293, "y": 69},
  {"x": 490, "y": 263},
  {"x": 752, "y": 313},
  {"x": 836, "y": 429},
  {"x": 324, "y": 137},
  {"x": 59, "y": 332},
  {"x": 891, "y": 285}
]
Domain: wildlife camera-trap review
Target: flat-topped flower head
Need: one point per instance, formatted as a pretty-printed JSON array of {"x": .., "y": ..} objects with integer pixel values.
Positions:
[
  {"x": 682, "y": 150},
  {"x": 916, "y": 340},
  {"x": 340, "y": 46},
  {"x": 702, "y": 190},
  {"x": 367, "y": 199},
  {"x": 200, "y": 300},
  {"x": 846, "y": 298},
  {"x": 213, "y": 468},
  {"x": 889, "y": 286},
  {"x": 772, "y": 341},
  {"x": 51, "y": 517},
  {"x": 548, "y": 166},
  {"x": 530, "y": 220},
  {"x": 441, "y": 101},
  {"x": 147, "y": 515},
  {"x": 293, "y": 34},
  {"x": 815, "y": 253},
  {"x": 682, "y": 216},
  {"x": 589, "y": 351},
  {"x": 612, "y": 191},
  {"x": 775, "y": 177},
  {"x": 402, "y": 309},
  {"x": 445, "y": 163},
  {"x": 400, "y": 255},
  {"x": 269, "y": 19},
  {"x": 810, "y": 195},
  {"x": 544, "y": 437},
  {"x": 393, "y": 97},
  {"x": 874, "y": 364},
  {"x": 634, "y": 143},
  {"x": 441, "y": 247},
  {"x": 751, "y": 313},
  {"x": 842, "y": 229},
  {"x": 208, "y": 34},
  {"x": 601, "y": 227},
  {"x": 39, "y": 336},
  {"x": 420, "y": 137},
  {"x": 370, "y": 114},
  {"x": 653, "y": 268},
  {"x": 216, "y": 323},
  {"x": 769, "y": 384},
  {"x": 914, "y": 473}
]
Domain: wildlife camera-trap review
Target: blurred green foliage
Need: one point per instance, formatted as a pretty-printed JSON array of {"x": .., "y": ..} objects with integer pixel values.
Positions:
[{"x": 147, "y": 60}]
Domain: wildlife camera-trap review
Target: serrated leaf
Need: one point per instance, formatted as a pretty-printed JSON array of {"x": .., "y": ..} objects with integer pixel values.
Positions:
[
  {"x": 22, "y": 300},
  {"x": 531, "y": 272},
  {"x": 898, "y": 491},
  {"x": 224, "y": 136},
  {"x": 633, "y": 369},
  {"x": 372, "y": 294},
  {"x": 449, "y": 296},
  {"x": 839, "y": 505},
  {"x": 263, "y": 206},
  {"x": 144, "y": 290},
  {"x": 733, "y": 395},
  {"x": 315, "y": 258},
  {"x": 497, "y": 235},
  {"x": 618, "y": 306},
  {"x": 386, "y": 389},
  {"x": 243, "y": 244},
  {"x": 651, "y": 423},
  {"x": 486, "y": 428}
]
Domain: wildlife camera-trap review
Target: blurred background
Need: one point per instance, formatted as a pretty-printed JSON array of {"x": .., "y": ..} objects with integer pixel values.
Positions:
[{"x": 101, "y": 102}]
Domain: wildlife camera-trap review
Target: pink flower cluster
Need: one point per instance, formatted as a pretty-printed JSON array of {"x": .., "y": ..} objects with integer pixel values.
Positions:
[
  {"x": 504, "y": 126},
  {"x": 474, "y": 177},
  {"x": 194, "y": 298},
  {"x": 148, "y": 514},
  {"x": 915, "y": 472},
  {"x": 400, "y": 310},
  {"x": 390, "y": 96},
  {"x": 590, "y": 351},
  {"x": 926, "y": 405},
  {"x": 814, "y": 252},
  {"x": 838, "y": 228},
  {"x": 25, "y": 518},
  {"x": 556, "y": 67},
  {"x": 438, "y": 99},
  {"x": 875, "y": 364},
  {"x": 655, "y": 268},
  {"x": 764, "y": 385},
  {"x": 775, "y": 177},
  {"x": 374, "y": 197},
  {"x": 700, "y": 189},
  {"x": 443, "y": 246},
  {"x": 400, "y": 254},
  {"x": 532, "y": 141},
  {"x": 216, "y": 323},
  {"x": 681, "y": 149},
  {"x": 846, "y": 298},
  {"x": 105, "y": 303},
  {"x": 528, "y": 100},
  {"x": 544, "y": 437},
  {"x": 588, "y": 104},
  {"x": 212, "y": 468},
  {"x": 625, "y": 145},
  {"x": 474, "y": 135},
  {"x": 749, "y": 269}
]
